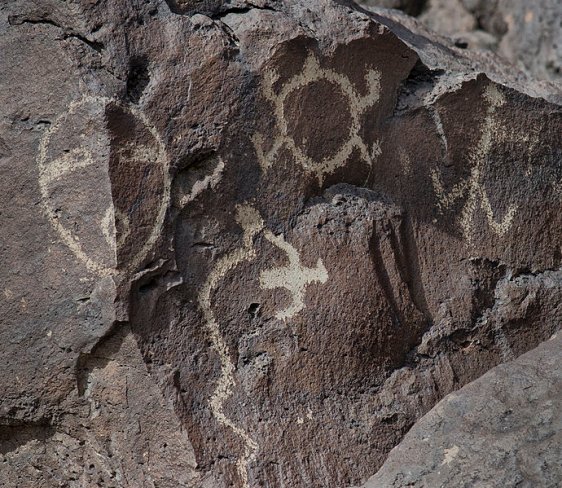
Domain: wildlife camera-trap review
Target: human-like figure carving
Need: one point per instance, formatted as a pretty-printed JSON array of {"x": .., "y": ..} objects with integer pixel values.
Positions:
[
  {"x": 294, "y": 277},
  {"x": 473, "y": 186}
]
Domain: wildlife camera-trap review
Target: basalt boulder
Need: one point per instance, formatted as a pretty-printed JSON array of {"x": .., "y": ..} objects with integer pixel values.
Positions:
[{"x": 251, "y": 244}]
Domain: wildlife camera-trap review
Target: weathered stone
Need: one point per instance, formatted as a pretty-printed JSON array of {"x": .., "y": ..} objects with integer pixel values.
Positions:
[
  {"x": 525, "y": 33},
  {"x": 251, "y": 245},
  {"x": 504, "y": 429}
]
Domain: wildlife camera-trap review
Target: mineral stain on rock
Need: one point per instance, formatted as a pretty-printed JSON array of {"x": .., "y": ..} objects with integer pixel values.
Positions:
[{"x": 254, "y": 244}]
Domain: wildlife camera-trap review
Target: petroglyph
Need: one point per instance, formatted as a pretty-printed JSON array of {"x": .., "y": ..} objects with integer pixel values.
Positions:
[
  {"x": 108, "y": 226},
  {"x": 473, "y": 186},
  {"x": 208, "y": 181},
  {"x": 309, "y": 416},
  {"x": 436, "y": 117},
  {"x": 113, "y": 224},
  {"x": 252, "y": 224},
  {"x": 115, "y": 227},
  {"x": 294, "y": 277},
  {"x": 357, "y": 104},
  {"x": 122, "y": 226},
  {"x": 405, "y": 161},
  {"x": 74, "y": 160}
]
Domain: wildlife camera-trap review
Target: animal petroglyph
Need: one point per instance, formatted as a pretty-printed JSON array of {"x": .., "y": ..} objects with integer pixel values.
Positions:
[
  {"x": 473, "y": 186},
  {"x": 312, "y": 72},
  {"x": 252, "y": 224},
  {"x": 294, "y": 277},
  {"x": 62, "y": 159}
]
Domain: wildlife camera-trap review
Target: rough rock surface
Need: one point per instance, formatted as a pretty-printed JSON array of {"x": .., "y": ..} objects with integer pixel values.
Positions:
[
  {"x": 251, "y": 244},
  {"x": 504, "y": 429},
  {"x": 526, "y": 33}
]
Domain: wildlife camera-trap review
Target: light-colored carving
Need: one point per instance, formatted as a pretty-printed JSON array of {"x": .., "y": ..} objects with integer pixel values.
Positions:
[
  {"x": 436, "y": 117},
  {"x": 357, "y": 104},
  {"x": 74, "y": 160},
  {"x": 294, "y": 277},
  {"x": 251, "y": 223},
  {"x": 473, "y": 186},
  {"x": 208, "y": 181},
  {"x": 78, "y": 158},
  {"x": 309, "y": 416},
  {"x": 405, "y": 161},
  {"x": 122, "y": 226},
  {"x": 108, "y": 227}
]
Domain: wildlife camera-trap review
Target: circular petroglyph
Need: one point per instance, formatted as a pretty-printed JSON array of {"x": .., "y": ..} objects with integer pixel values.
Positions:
[
  {"x": 103, "y": 176},
  {"x": 307, "y": 97}
]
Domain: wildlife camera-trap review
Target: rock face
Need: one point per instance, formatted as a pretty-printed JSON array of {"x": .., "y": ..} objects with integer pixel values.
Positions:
[
  {"x": 504, "y": 429},
  {"x": 526, "y": 33},
  {"x": 252, "y": 244}
]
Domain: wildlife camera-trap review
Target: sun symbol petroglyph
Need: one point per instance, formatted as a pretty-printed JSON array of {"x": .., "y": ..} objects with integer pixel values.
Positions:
[
  {"x": 89, "y": 220},
  {"x": 357, "y": 105},
  {"x": 473, "y": 186},
  {"x": 294, "y": 277}
]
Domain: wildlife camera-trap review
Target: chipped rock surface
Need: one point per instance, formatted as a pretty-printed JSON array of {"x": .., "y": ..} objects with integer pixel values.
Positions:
[
  {"x": 525, "y": 33},
  {"x": 251, "y": 244},
  {"x": 504, "y": 429}
]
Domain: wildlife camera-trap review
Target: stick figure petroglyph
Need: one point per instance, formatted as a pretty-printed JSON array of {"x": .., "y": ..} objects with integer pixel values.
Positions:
[
  {"x": 294, "y": 277},
  {"x": 473, "y": 186},
  {"x": 357, "y": 104}
]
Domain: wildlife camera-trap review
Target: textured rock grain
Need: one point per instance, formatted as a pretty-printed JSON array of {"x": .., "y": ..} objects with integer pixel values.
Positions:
[
  {"x": 504, "y": 429},
  {"x": 526, "y": 34},
  {"x": 252, "y": 244}
]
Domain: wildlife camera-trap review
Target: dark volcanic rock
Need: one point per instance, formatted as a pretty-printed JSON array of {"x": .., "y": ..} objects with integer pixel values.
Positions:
[
  {"x": 504, "y": 429},
  {"x": 252, "y": 244}
]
